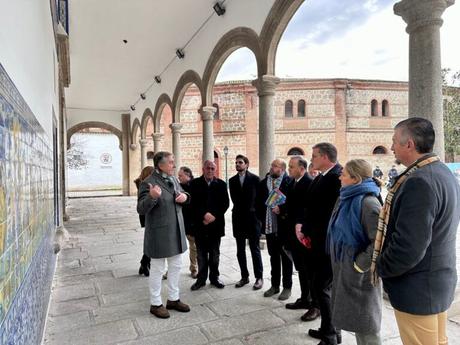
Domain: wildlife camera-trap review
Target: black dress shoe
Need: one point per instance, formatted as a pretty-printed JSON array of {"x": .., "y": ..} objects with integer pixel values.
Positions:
[
  {"x": 218, "y": 284},
  {"x": 299, "y": 304},
  {"x": 258, "y": 284},
  {"x": 242, "y": 282},
  {"x": 198, "y": 285},
  {"x": 310, "y": 315},
  {"x": 317, "y": 334},
  {"x": 144, "y": 270}
]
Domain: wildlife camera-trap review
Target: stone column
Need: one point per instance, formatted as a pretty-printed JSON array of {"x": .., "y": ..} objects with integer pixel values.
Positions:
[
  {"x": 143, "y": 143},
  {"x": 266, "y": 86},
  {"x": 125, "y": 126},
  {"x": 423, "y": 18},
  {"x": 176, "y": 128},
  {"x": 156, "y": 141},
  {"x": 207, "y": 116}
]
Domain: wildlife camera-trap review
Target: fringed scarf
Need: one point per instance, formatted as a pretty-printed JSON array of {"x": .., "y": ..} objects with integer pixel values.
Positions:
[
  {"x": 271, "y": 224},
  {"x": 385, "y": 211},
  {"x": 345, "y": 229}
]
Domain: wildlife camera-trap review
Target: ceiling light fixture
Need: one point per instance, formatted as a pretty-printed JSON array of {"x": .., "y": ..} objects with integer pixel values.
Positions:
[
  {"x": 143, "y": 96},
  {"x": 180, "y": 53},
  {"x": 158, "y": 79},
  {"x": 133, "y": 107},
  {"x": 219, "y": 9}
]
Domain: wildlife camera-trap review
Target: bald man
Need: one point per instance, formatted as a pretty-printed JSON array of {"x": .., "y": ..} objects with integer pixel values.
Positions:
[{"x": 209, "y": 202}]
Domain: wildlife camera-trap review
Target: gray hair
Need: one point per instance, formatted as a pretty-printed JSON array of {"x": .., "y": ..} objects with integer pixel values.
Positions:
[
  {"x": 161, "y": 157},
  {"x": 420, "y": 131},
  {"x": 327, "y": 149},
  {"x": 301, "y": 161}
]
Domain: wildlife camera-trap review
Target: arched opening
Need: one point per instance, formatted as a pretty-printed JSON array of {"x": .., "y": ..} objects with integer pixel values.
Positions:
[
  {"x": 379, "y": 150},
  {"x": 295, "y": 151},
  {"x": 288, "y": 105},
  {"x": 385, "y": 108},
  {"x": 94, "y": 163},
  {"x": 217, "y": 113},
  {"x": 301, "y": 108},
  {"x": 374, "y": 108}
]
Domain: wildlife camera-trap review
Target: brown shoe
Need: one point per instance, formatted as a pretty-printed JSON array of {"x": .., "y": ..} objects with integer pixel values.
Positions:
[
  {"x": 311, "y": 314},
  {"x": 194, "y": 274},
  {"x": 177, "y": 305},
  {"x": 159, "y": 311}
]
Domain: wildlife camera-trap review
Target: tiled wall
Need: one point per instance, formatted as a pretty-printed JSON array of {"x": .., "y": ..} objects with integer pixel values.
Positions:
[{"x": 26, "y": 219}]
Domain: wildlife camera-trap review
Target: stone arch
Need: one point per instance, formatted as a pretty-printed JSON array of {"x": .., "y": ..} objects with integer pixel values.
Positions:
[
  {"x": 379, "y": 150},
  {"x": 94, "y": 124},
  {"x": 163, "y": 100},
  {"x": 296, "y": 151},
  {"x": 234, "y": 39},
  {"x": 147, "y": 114},
  {"x": 277, "y": 20},
  {"x": 135, "y": 127},
  {"x": 188, "y": 78}
]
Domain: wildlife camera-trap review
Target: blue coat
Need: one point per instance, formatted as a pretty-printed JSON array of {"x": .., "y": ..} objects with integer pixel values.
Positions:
[{"x": 418, "y": 261}]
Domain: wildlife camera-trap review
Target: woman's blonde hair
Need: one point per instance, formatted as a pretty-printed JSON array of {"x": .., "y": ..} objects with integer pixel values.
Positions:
[{"x": 359, "y": 169}]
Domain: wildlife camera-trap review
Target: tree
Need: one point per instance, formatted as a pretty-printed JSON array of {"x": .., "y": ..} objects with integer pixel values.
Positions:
[
  {"x": 75, "y": 155},
  {"x": 451, "y": 96}
]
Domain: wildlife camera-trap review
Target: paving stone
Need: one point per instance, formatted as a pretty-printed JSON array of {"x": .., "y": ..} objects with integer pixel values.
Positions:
[
  {"x": 109, "y": 333},
  {"x": 77, "y": 279},
  {"x": 151, "y": 325},
  {"x": 66, "y": 293},
  {"x": 105, "y": 314},
  {"x": 241, "y": 325},
  {"x": 112, "y": 285},
  {"x": 228, "y": 342},
  {"x": 188, "y": 336},
  {"x": 74, "y": 306},
  {"x": 57, "y": 324},
  {"x": 295, "y": 334},
  {"x": 243, "y": 304}
]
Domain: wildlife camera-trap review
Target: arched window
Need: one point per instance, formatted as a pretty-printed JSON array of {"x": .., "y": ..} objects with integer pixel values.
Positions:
[
  {"x": 301, "y": 108},
  {"x": 295, "y": 151},
  {"x": 374, "y": 108},
  {"x": 379, "y": 150},
  {"x": 385, "y": 108},
  {"x": 288, "y": 108},
  {"x": 217, "y": 113}
]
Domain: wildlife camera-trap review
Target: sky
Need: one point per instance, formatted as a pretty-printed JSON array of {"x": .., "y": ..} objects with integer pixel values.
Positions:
[{"x": 360, "y": 39}]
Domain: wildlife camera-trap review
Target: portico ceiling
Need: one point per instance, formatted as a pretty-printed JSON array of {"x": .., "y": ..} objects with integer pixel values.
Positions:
[{"x": 108, "y": 74}]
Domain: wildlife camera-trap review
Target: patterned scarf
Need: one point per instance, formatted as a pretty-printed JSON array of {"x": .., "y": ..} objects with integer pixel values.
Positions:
[
  {"x": 345, "y": 229},
  {"x": 385, "y": 211},
  {"x": 271, "y": 223}
]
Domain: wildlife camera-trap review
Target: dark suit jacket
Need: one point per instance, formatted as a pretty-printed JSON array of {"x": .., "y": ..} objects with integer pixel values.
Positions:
[
  {"x": 322, "y": 195},
  {"x": 187, "y": 212},
  {"x": 262, "y": 195},
  {"x": 296, "y": 203},
  {"x": 212, "y": 199},
  {"x": 244, "y": 219},
  {"x": 418, "y": 263}
]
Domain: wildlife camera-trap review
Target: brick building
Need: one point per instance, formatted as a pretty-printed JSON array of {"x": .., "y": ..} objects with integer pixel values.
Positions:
[{"x": 358, "y": 116}]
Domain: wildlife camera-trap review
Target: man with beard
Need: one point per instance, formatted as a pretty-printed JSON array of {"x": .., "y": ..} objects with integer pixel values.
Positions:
[
  {"x": 209, "y": 203},
  {"x": 243, "y": 190},
  {"x": 273, "y": 225}
]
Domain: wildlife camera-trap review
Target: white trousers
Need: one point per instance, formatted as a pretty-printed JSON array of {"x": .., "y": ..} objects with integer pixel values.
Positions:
[{"x": 157, "y": 269}]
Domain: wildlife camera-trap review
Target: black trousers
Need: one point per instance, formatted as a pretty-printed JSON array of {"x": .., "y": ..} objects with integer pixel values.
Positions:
[
  {"x": 254, "y": 247},
  {"x": 208, "y": 253},
  {"x": 279, "y": 261},
  {"x": 322, "y": 284},
  {"x": 302, "y": 264}
]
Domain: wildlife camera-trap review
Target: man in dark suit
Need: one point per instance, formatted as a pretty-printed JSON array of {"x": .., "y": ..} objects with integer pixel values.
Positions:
[
  {"x": 243, "y": 189},
  {"x": 273, "y": 225},
  {"x": 209, "y": 203},
  {"x": 296, "y": 203},
  {"x": 312, "y": 231}
]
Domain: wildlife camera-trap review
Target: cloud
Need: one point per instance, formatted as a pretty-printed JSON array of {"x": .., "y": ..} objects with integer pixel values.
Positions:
[{"x": 240, "y": 65}]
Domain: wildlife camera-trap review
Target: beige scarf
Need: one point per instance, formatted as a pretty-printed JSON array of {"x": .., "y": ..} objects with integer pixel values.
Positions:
[{"x": 384, "y": 215}]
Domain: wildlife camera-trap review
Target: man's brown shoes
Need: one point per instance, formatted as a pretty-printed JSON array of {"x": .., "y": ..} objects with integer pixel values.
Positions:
[
  {"x": 159, "y": 311},
  {"x": 178, "y": 306}
]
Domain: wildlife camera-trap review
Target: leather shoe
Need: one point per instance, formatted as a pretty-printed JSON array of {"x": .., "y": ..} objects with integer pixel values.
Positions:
[
  {"x": 317, "y": 334},
  {"x": 242, "y": 282},
  {"x": 198, "y": 285},
  {"x": 177, "y": 305},
  {"x": 310, "y": 315},
  {"x": 258, "y": 284},
  {"x": 299, "y": 304},
  {"x": 272, "y": 291},
  {"x": 285, "y": 294},
  {"x": 159, "y": 311},
  {"x": 218, "y": 284},
  {"x": 144, "y": 270}
]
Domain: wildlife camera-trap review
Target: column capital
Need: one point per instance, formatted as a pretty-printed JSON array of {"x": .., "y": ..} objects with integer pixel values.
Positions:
[
  {"x": 266, "y": 85},
  {"x": 176, "y": 127},
  {"x": 419, "y": 13},
  {"x": 157, "y": 136},
  {"x": 207, "y": 113},
  {"x": 143, "y": 142}
]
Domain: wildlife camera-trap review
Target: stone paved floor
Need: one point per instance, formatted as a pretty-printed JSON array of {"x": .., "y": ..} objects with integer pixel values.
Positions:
[{"x": 98, "y": 297}]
